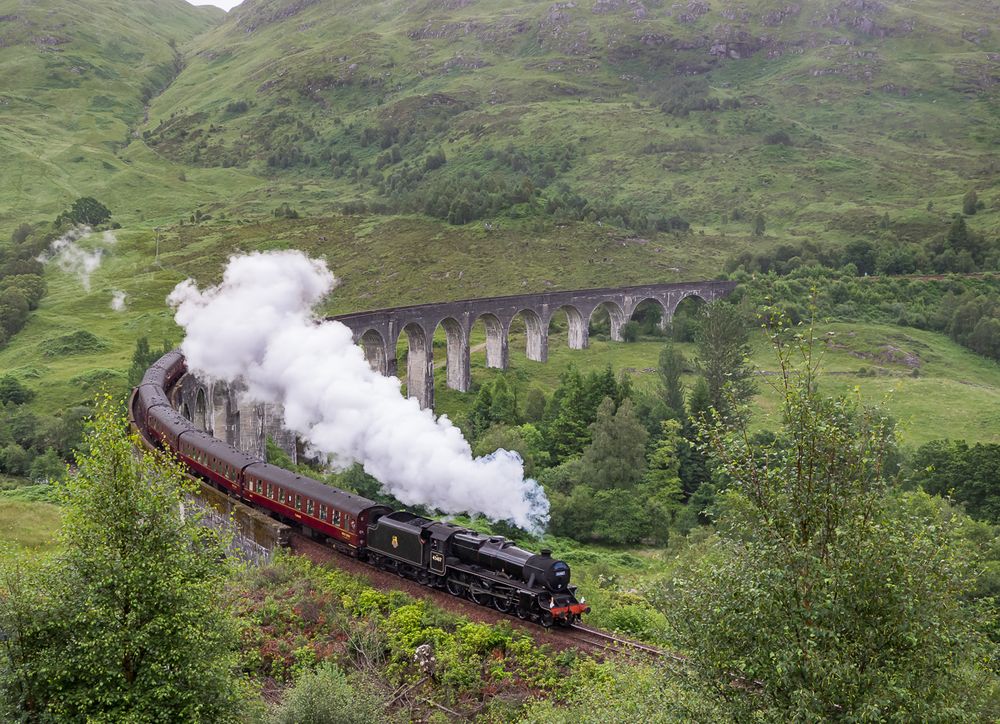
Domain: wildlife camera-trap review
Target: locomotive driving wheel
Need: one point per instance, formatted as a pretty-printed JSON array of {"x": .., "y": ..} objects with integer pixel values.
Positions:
[
  {"x": 454, "y": 587},
  {"x": 479, "y": 595},
  {"x": 501, "y": 603}
]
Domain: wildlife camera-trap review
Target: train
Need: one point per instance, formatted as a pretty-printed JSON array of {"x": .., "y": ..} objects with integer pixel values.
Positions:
[{"x": 488, "y": 570}]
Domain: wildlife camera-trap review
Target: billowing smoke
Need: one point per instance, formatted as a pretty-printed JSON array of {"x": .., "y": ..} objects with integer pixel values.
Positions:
[
  {"x": 73, "y": 259},
  {"x": 258, "y": 326},
  {"x": 118, "y": 300}
]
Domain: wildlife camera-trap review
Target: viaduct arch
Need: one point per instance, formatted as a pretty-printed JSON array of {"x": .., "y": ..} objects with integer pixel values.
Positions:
[{"x": 378, "y": 331}]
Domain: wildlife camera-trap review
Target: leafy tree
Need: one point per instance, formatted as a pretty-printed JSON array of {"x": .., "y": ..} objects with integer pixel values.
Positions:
[
  {"x": 534, "y": 405},
  {"x": 723, "y": 348},
  {"x": 815, "y": 601},
  {"x": 862, "y": 254},
  {"x": 47, "y": 467},
  {"x": 616, "y": 456},
  {"x": 969, "y": 474},
  {"x": 14, "y": 310},
  {"x": 969, "y": 203},
  {"x": 127, "y": 623},
  {"x": 15, "y": 460},
  {"x": 759, "y": 225},
  {"x": 671, "y": 367},
  {"x": 525, "y": 440},
  {"x": 13, "y": 392},
  {"x": 88, "y": 210}
]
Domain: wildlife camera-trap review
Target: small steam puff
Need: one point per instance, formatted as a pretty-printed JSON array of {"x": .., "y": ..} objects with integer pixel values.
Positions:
[
  {"x": 118, "y": 300},
  {"x": 72, "y": 259},
  {"x": 258, "y": 325}
]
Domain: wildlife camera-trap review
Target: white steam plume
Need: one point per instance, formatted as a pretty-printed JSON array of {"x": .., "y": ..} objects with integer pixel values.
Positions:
[
  {"x": 258, "y": 326},
  {"x": 73, "y": 259},
  {"x": 118, "y": 300}
]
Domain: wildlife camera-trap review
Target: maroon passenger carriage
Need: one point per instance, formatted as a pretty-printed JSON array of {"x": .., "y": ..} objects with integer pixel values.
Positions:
[{"x": 490, "y": 570}]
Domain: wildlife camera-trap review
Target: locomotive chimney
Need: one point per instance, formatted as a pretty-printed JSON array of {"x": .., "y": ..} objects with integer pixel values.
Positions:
[{"x": 546, "y": 552}]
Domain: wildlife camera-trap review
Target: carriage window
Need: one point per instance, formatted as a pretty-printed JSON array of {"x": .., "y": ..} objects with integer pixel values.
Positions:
[
  {"x": 309, "y": 507},
  {"x": 270, "y": 491},
  {"x": 298, "y": 502},
  {"x": 336, "y": 517},
  {"x": 281, "y": 495},
  {"x": 260, "y": 487},
  {"x": 353, "y": 527},
  {"x": 322, "y": 512}
]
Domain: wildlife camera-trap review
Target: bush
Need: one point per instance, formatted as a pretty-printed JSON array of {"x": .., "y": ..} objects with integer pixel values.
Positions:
[{"x": 325, "y": 696}]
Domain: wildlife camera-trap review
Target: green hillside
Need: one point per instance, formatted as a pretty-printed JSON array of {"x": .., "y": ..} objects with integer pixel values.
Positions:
[
  {"x": 822, "y": 118},
  {"x": 74, "y": 81}
]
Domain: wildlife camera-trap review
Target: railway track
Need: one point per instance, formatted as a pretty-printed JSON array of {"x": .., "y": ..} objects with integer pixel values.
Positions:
[
  {"x": 609, "y": 642},
  {"x": 576, "y": 636}
]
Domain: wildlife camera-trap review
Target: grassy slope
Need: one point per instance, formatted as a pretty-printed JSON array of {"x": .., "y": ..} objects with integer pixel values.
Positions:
[
  {"x": 28, "y": 527},
  {"x": 873, "y": 119},
  {"x": 72, "y": 84}
]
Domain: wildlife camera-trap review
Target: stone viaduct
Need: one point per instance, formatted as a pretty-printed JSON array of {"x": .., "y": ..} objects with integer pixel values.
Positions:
[{"x": 378, "y": 331}]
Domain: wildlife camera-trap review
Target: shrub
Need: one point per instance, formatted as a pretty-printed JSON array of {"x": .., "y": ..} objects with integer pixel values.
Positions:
[{"x": 325, "y": 696}]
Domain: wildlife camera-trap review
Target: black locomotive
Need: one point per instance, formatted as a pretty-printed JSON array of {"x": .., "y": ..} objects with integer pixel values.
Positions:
[{"x": 490, "y": 570}]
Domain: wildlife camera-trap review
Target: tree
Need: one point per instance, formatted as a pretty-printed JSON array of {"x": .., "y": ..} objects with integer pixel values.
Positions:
[
  {"x": 88, "y": 210},
  {"x": 662, "y": 487},
  {"x": 47, "y": 467},
  {"x": 824, "y": 602},
  {"x": 671, "y": 367},
  {"x": 128, "y": 622},
  {"x": 759, "y": 225},
  {"x": 723, "y": 349},
  {"x": 12, "y": 391},
  {"x": 616, "y": 456},
  {"x": 970, "y": 202}
]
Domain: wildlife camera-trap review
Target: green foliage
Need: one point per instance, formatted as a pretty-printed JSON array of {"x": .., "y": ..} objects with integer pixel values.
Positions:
[
  {"x": 619, "y": 693},
  {"x": 79, "y": 342},
  {"x": 672, "y": 365},
  {"x": 970, "y": 202},
  {"x": 526, "y": 440},
  {"x": 143, "y": 358},
  {"x": 326, "y": 696},
  {"x": 47, "y": 468},
  {"x": 723, "y": 349},
  {"x": 127, "y": 623},
  {"x": 616, "y": 455},
  {"x": 13, "y": 392},
  {"x": 495, "y": 404},
  {"x": 968, "y": 474},
  {"x": 89, "y": 211},
  {"x": 792, "y": 605}
]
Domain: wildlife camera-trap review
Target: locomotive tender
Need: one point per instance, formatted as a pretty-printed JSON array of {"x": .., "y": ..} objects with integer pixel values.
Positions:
[{"x": 490, "y": 570}]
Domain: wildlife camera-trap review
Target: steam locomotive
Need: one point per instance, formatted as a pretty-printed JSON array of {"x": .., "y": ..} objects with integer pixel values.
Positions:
[{"x": 489, "y": 570}]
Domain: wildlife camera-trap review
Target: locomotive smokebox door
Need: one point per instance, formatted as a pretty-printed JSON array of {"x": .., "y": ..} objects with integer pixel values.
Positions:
[{"x": 437, "y": 562}]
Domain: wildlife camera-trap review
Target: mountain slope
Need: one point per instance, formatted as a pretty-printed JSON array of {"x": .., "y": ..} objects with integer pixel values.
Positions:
[
  {"x": 74, "y": 79},
  {"x": 821, "y": 116}
]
